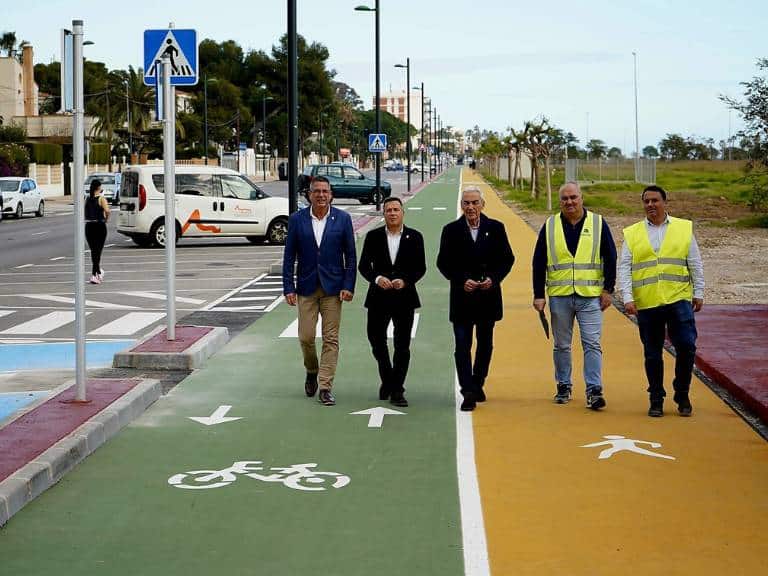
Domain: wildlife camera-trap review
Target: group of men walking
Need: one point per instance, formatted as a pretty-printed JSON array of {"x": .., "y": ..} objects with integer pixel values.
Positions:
[{"x": 660, "y": 276}]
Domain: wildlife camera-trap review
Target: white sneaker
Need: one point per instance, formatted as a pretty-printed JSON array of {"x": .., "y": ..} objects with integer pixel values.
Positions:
[
  {"x": 101, "y": 275},
  {"x": 95, "y": 279}
]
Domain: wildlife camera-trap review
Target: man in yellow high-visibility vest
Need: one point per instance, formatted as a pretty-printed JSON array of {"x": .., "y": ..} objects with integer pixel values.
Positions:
[
  {"x": 661, "y": 277},
  {"x": 575, "y": 259}
]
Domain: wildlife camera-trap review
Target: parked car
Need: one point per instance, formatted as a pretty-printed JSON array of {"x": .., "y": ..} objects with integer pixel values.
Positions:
[
  {"x": 393, "y": 166},
  {"x": 210, "y": 201},
  {"x": 21, "y": 196},
  {"x": 346, "y": 182},
  {"x": 110, "y": 185},
  {"x": 419, "y": 167}
]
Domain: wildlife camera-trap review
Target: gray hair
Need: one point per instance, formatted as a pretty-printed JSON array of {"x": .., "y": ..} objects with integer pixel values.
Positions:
[
  {"x": 569, "y": 183},
  {"x": 473, "y": 188}
]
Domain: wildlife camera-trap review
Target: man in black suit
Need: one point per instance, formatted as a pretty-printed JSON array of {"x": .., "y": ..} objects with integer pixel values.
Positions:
[
  {"x": 393, "y": 262},
  {"x": 475, "y": 256}
]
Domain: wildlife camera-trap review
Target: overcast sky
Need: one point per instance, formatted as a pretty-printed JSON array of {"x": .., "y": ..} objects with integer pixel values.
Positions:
[{"x": 492, "y": 63}]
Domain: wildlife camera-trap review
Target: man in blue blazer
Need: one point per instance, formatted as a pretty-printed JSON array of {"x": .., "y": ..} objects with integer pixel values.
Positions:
[{"x": 322, "y": 242}]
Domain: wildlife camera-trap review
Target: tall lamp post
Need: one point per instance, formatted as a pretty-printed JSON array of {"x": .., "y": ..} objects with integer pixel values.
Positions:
[
  {"x": 264, "y": 99},
  {"x": 408, "y": 113},
  {"x": 637, "y": 135},
  {"x": 421, "y": 139},
  {"x": 377, "y": 155},
  {"x": 205, "y": 115}
]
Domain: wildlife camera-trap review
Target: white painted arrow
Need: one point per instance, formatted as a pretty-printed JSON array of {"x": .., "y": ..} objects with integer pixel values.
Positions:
[
  {"x": 218, "y": 417},
  {"x": 377, "y": 415}
]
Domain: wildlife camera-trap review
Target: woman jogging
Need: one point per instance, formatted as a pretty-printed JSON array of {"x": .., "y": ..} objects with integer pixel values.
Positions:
[{"x": 96, "y": 216}]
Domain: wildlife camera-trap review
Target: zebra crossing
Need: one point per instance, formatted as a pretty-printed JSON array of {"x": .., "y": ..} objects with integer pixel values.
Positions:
[{"x": 262, "y": 294}]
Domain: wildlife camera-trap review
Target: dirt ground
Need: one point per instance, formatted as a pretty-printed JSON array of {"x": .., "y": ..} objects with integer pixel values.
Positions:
[{"x": 735, "y": 259}]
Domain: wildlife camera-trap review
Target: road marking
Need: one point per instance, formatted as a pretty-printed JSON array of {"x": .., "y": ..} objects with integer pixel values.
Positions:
[
  {"x": 24, "y": 266},
  {"x": 236, "y": 309},
  {"x": 292, "y": 331},
  {"x": 40, "y": 233},
  {"x": 219, "y": 416},
  {"x": 376, "y": 415},
  {"x": 58, "y": 258},
  {"x": 109, "y": 246},
  {"x": 91, "y": 303},
  {"x": 233, "y": 292},
  {"x": 274, "y": 304},
  {"x": 246, "y": 290},
  {"x": 156, "y": 296},
  {"x": 128, "y": 324},
  {"x": 43, "y": 324},
  {"x": 250, "y": 298},
  {"x": 414, "y": 207},
  {"x": 439, "y": 208},
  {"x": 6, "y": 312}
]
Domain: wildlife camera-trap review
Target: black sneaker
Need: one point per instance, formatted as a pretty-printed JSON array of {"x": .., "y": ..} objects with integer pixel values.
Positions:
[
  {"x": 657, "y": 409},
  {"x": 399, "y": 400},
  {"x": 310, "y": 384},
  {"x": 684, "y": 407},
  {"x": 563, "y": 395},
  {"x": 326, "y": 398},
  {"x": 595, "y": 401}
]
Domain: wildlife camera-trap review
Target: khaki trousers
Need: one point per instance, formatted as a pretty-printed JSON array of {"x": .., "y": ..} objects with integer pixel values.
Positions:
[{"x": 329, "y": 308}]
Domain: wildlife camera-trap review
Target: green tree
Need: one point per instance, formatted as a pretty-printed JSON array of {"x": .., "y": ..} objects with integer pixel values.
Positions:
[
  {"x": 615, "y": 153},
  {"x": 650, "y": 152},
  {"x": 8, "y": 42},
  {"x": 674, "y": 147},
  {"x": 596, "y": 148}
]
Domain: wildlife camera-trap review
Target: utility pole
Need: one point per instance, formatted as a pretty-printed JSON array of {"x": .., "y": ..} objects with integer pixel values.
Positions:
[
  {"x": 237, "y": 144},
  {"x": 109, "y": 131},
  {"x": 637, "y": 132},
  {"x": 293, "y": 111}
]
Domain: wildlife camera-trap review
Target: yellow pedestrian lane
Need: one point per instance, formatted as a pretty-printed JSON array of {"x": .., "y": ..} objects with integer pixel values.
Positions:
[{"x": 569, "y": 491}]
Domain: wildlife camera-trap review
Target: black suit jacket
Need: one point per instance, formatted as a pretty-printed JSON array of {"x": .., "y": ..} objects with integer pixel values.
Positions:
[
  {"x": 409, "y": 265},
  {"x": 461, "y": 258}
]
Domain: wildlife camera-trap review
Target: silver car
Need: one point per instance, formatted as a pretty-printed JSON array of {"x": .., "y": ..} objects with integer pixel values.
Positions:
[{"x": 110, "y": 185}]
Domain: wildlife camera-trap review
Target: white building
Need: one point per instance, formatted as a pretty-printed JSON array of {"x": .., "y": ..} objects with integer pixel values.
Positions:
[
  {"x": 18, "y": 90},
  {"x": 395, "y": 104}
]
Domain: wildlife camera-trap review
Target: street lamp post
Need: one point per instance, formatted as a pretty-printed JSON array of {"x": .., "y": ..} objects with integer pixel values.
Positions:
[
  {"x": 205, "y": 118},
  {"x": 128, "y": 121},
  {"x": 421, "y": 139},
  {"x": 264, "y": 99},
  {"x": 637, "y": 134},
  {"x": 377, "y": 155},
  {"x": 408, "y": 113}
]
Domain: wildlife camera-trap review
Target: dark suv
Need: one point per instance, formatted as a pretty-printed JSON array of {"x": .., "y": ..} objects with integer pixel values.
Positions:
[{"x": 346, "y": 182}]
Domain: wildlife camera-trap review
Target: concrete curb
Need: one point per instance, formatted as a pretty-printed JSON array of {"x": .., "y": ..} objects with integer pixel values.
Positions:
[
  {"x": 193, "y": 357},
  {"x": 36, "y": 477}
]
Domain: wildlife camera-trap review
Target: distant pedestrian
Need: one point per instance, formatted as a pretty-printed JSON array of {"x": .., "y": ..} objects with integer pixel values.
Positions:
[
  {"x": 96, "y": 216},
  {"x": 393, "y": 262},
  {"x": 661, "y": 277},
  {"x": 322, "y": 244},
  {"x": 475, "y": 256},
  {"x": 575, "y": 259}
]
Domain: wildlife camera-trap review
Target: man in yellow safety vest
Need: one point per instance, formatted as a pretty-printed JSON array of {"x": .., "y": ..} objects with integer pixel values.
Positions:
[
  {"x": 575, "y": 258},
  {"x": 661, "y": 278}
]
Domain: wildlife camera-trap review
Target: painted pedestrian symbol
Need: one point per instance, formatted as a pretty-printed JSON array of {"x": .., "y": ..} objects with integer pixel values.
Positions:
[
  {"x": 180, "y": 46},
  {"x": 297, "y": 477},
  {"x": 623, "y": 444}
]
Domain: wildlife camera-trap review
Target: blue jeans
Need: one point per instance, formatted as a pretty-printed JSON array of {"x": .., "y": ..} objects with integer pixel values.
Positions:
[
  {"x": 590, "y": 318},
  {"x": 678, "y": 320}
]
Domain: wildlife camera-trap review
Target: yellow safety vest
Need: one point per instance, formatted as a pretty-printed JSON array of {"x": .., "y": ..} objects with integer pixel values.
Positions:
[
  {"x": 663, "y": 278},
  {"x": 581, "y": 274}
]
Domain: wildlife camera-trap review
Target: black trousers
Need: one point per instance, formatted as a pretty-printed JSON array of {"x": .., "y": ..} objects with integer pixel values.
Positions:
[
  {"x": 677, "y": 320},
  {"x": 96, "y": 235},
  {"x": 392, "y": 372},
  {"x": 472, "y": 376}
]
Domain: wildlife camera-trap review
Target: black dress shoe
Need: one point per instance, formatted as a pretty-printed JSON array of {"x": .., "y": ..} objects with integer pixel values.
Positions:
[
  {"x": 657, "y": 409},
  {"x": 399, "y": 400},
  {"x": 310, "y": 384},
  {"x": 468, "y": 404},
  {"x": 479, "y": 395},
  {"x": 384, "y": 392}
]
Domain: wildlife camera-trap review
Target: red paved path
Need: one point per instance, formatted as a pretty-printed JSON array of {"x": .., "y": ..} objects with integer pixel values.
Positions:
[{"x": 731, "y": 349}]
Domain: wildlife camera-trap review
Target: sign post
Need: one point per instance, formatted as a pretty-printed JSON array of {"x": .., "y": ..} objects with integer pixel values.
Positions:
[{"x": 169, "y": 185}]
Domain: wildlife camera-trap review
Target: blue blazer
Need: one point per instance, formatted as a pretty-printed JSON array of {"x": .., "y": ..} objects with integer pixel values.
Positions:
[{"x": 333, "y": 266}]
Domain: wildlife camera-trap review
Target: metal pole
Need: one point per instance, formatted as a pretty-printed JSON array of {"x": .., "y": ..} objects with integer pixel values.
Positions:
[
  {"x": 408, "y": 114},
  {"x": 423, "y": 125},
  {"x": 128, "y": 117},
  {"x": 237, "y": 144},
  {"x": 205, "y": 117},
  {"x": 293, "y": 102},
  {"x": 377, "y": 155},
  {"x": 264, "y": 134},
  {"x": 78, "y": 146},
  {"x": 169, "y": 161},
  {"x": 637, "y": 134}
]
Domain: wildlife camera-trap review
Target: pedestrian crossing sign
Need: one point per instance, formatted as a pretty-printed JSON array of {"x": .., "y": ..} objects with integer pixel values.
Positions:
[
  {"x": 180, "y": 46},
  {"x": 377, "y": 142}
]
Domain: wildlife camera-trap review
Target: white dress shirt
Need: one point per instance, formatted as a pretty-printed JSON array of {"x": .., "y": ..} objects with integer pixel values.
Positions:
[
  {"x": 393, "y": 244},
  {"x": 656, "y": 236},
  {"x": 318, "y": 225}
]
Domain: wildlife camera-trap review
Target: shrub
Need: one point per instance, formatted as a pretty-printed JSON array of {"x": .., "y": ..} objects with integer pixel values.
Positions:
[
  {"x": 99, "y": 153},
  {"x": 14, "y": 160},
  {"x": 45, "y": 153},
  {"x": 12, "y": 133}
]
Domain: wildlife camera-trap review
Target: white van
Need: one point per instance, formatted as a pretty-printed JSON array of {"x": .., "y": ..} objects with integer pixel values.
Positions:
[{"x": 210, "y": 201}]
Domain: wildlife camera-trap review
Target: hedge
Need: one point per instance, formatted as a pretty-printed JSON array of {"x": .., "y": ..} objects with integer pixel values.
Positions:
[{"x": 45, "y": 153}]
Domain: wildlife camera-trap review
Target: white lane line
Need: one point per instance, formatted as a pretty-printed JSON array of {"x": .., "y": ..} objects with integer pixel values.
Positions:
[
  {"x": 58, "y": 258},
  {"x": 156, "y": 296},
  {"x": 270, "y": 283},
  {"x": 414, "y": 207},
  {"x": 128, "y": 324},
  {"x": 274, "y": 304},
  {"x": 43, "y": 324},
  {"x": 109, "y": 245},
  {"x": 292, "y": 331},
  {"x": 6, "y": 312},
  {"x": 91, "y": 303},
  {"x": 40, "y": 233},
  {"x": 276, "y": 289},
  {"x": 215, "y": 303},
  {"x": 237, "y": 309},
  {"x": 208, "y": 279},
  {"x": 144, "y": 270},
  {"x": 439, "y": 208},
  {"x": 250, "y": 298},
  {"x": 24, "y": 266}
]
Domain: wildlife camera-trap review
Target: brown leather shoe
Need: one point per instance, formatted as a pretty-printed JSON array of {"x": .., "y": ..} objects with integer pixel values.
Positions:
[{"x": 310, "y": 384}]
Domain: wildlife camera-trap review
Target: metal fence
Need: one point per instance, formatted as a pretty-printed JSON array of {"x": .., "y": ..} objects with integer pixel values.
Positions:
[{"x": 611, "y": 170}]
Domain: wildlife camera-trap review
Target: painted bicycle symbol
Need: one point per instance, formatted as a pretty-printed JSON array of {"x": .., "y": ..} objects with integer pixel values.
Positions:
[{"x": 296, "y": 476}]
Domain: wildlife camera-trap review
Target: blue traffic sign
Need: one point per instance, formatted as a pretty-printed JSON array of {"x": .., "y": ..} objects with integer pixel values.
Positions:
[
  {"x": 180, "y": 46},
  {"x": 377, "y": 142}
]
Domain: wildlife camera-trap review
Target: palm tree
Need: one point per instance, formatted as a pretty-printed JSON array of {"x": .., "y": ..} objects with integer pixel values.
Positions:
[{"x": 8, "y": 42}]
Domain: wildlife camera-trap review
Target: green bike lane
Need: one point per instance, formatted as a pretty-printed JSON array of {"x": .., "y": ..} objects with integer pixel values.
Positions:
[{"x": 399, "y": 513}]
